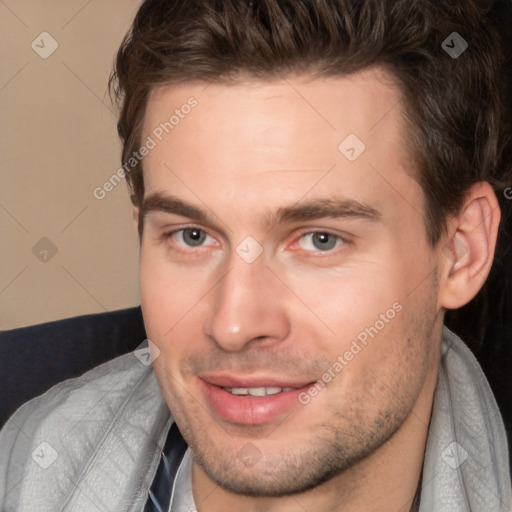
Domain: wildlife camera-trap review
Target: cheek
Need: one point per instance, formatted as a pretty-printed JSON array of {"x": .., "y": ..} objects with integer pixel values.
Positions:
[
  {"x": 174, "y": 302},
  {"x": 166, "y": 291},
  {"x": 384, "y": 378},
  {"x": 376, "y": 328},
  {"x": 349, "y": 300},
  {"x": 160, "y": 295}
]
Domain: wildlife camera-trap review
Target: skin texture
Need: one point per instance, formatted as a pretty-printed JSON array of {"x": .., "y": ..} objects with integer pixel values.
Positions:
[{"x": 245, "y": 151}]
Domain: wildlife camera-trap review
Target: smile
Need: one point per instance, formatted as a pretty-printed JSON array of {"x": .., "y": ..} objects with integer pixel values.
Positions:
[{"x": 261, "y": 391}]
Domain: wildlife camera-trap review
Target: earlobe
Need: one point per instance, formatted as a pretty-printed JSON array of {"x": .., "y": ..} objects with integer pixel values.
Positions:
[{"x": 468, "y": 253}]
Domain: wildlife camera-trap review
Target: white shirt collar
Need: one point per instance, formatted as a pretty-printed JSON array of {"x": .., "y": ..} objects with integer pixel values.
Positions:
[{"x": 182, "y": 499}]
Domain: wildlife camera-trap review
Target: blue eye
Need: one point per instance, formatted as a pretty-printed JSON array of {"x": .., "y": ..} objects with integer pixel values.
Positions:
[
  {"x": 319, "y": 241},
  {"x": 190, "y": 237}
]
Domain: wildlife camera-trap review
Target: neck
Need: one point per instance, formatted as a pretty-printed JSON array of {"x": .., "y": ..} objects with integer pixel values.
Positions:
[{"x": 385, "y": 480}]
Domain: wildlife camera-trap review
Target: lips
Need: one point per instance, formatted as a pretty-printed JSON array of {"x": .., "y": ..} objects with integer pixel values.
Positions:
[
  {"x": 248, "y": 400},
  {"x": 259, "y": 391},
  {"x": 234, "y": 381}
]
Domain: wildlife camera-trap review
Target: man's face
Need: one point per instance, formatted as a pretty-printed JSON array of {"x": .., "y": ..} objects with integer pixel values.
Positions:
[{"x": 309, "y": 251}]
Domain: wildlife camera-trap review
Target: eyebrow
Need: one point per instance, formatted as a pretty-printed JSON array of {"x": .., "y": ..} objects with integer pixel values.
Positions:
[
  {"x": 169, "y": 204},
  {"x": 323, "y": 208},
  {"x": 299, "y": 212}
]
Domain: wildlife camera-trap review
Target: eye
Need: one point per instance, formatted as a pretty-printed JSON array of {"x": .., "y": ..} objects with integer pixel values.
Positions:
[
  {"x": 319, "y": 241},
  {"x": 190, "y": 237}
]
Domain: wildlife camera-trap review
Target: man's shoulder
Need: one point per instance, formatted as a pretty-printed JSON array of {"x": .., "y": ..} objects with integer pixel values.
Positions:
[
  {"x": 74, "y": 399},
  {"x": 79, "y": 423},
  {"x": 466, "y": 458}
]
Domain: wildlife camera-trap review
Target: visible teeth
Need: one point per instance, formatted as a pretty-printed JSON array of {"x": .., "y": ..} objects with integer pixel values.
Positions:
[
  {"x": 239, "y": 391},
  {"x": 263, "y": 391},
  {"x": 257, "y": 391},
  {"x": 273, "y": 391}
]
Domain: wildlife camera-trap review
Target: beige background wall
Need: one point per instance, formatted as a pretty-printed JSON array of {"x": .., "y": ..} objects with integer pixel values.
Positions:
[{"x": 58, "y": 142}]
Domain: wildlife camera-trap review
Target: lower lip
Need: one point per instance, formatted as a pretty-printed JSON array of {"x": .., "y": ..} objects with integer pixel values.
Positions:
[{"x": 250, "y": 410}]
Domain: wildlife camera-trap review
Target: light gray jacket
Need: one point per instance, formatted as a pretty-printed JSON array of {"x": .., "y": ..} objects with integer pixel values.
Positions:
[{"x": 94, "y": 443}]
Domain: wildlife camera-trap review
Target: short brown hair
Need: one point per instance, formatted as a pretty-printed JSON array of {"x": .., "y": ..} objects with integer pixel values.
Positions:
[{"x": 453, "y": 106}]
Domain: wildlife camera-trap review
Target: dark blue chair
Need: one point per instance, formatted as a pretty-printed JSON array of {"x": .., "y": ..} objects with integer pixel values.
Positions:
[{"x": 35, "y": 358}]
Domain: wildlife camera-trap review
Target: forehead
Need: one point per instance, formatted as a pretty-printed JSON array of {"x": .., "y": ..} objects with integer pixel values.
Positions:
[
  {"x": 312, "y": 108},
  {"x": 253, "y": 138}
]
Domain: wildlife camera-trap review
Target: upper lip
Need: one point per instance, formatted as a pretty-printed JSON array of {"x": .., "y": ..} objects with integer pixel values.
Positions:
[{"x": 251, "y": 381}]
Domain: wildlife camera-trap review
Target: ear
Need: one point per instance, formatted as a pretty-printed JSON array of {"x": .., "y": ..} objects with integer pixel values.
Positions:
[
  {"x": 135, "y": 214},
  {"x": 136, "y": 219},
  {"x": 468, "y": 253}
]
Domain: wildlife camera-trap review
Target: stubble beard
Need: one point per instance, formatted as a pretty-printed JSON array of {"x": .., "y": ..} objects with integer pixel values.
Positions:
[{"x": 351, "y": 432}]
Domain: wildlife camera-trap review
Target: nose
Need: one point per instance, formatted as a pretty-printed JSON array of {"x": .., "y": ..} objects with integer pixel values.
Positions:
[{"x": 247, "y": 307}]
